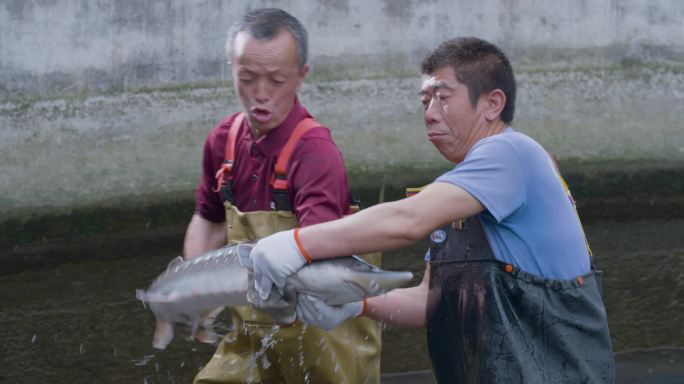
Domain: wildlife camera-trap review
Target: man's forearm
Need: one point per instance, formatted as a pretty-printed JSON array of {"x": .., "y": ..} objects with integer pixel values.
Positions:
[
  {"x": 378, "y": 228},
  {"x": 202, "y": 236},
  {"x": 390, "y": 225},
  {"x": 402, "y": 307}
]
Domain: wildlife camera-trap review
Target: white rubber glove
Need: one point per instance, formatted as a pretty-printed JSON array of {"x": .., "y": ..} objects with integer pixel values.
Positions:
[
  {"x": 274, "y": 259},
  {"x": 314, "y": 311}
]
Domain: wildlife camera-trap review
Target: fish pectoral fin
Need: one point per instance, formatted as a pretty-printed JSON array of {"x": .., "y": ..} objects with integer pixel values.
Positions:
[
  {"x": 207, "y": 335},
  {"x": 244, "y": 250},
  {"x": 207, "y": 317},
  {"x": 203, "y": 328},
  {"x": 194, "y": 326},
  {"x": 163, "y": 334}
]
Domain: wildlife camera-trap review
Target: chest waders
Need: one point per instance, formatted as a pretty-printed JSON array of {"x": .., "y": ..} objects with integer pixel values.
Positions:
[
  {"x": 295, "y": 353},
  {"x": 489, "y": 322}
]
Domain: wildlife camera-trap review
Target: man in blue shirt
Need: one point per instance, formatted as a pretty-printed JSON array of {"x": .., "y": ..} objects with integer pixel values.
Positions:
[
  {"x": 529, "y": 217},
  {"x": 509, "y": 294}
]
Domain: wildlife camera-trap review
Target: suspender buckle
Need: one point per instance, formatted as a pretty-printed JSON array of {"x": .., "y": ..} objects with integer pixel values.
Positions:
[
  {"x": 226, "y": 191},
  {"x": 281, "y": 200}
]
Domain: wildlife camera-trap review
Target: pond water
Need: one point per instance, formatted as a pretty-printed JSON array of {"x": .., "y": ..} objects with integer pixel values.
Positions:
[{"x": 80, "y": 322}]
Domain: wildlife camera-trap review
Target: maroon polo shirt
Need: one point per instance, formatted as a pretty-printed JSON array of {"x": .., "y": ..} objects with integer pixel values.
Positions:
[{"x": 317, "y": 181}]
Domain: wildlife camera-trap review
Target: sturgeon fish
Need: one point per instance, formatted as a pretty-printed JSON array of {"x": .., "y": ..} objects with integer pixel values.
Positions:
[{"x": 193, "y": 292}]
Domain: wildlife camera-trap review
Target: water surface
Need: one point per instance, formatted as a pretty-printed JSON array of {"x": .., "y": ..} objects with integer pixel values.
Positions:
[{"x": 80, "y": 322}]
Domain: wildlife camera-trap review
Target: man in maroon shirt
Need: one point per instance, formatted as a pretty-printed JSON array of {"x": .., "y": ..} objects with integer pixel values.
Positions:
[
  {"x": 317, "y": 182},
  {"x": 267, "y": 49}
]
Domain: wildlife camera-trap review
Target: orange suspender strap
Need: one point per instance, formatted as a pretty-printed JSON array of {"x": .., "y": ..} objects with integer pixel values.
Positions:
[
  {"x": 572, "y": 200},
  {"x": 279, "y": 178},
  {"x": 224, "y": 173}
]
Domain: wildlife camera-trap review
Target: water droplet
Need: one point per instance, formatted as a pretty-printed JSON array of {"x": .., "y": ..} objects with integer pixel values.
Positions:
[
  {"x": 229, "y": 338},
  {"x": 264, "y": 362}
]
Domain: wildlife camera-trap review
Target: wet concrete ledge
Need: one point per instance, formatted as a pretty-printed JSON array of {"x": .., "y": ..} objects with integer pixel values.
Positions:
[{"x": 610, "y": 190}]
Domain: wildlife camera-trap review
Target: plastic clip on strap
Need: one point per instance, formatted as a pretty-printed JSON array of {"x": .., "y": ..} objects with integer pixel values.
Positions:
[
  {"x": 220, "y": 177},
  {"x": 279, "y": 178},
  {"x": 225, "y": 172}
]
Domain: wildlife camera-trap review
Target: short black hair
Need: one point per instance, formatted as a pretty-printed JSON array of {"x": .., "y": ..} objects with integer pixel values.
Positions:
[
  {"x": 478, "y": 64},
  {"x": 266, "y": 23}
]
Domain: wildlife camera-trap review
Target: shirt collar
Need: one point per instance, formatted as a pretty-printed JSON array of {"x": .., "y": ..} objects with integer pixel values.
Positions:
[{"x": 271, "y": 143}]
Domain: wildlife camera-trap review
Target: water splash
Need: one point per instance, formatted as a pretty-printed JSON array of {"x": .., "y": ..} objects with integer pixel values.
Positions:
[
  {"x": 265, "y": 362},
  {"x": 333, "y": 357},
  {"x": 267, "y": 341},
  {"x": 229, "y": 338},
  {"x": 145, "y": 359},
  {"x": 300, "y": 349}
]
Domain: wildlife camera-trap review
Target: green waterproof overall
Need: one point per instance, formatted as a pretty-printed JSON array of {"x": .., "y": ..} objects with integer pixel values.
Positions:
[
  {"x": 256, "y": 350},
  {"x": 490, "y": 322}
]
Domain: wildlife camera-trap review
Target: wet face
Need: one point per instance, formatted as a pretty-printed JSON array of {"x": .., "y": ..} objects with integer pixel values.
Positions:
[
  {"x": 267, "y": 77},
  {"x": 453, "y": 124}
]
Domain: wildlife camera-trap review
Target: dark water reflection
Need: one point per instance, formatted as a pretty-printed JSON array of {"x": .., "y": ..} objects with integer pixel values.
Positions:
[{"x": 80, "y": 322}]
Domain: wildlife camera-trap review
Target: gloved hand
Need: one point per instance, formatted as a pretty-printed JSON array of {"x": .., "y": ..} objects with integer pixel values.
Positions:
[
  {"x": 274, "y": 258},
  {"x": 314, "y": 311},
  {"x": 280, "y": 308}
]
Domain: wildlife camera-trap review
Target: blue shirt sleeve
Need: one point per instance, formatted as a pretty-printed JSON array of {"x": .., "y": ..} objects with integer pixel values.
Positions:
[{"x": 492, "y": 173}]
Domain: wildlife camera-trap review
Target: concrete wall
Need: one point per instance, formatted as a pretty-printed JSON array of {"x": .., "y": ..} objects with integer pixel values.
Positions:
[{"x": 104, "y": 100}]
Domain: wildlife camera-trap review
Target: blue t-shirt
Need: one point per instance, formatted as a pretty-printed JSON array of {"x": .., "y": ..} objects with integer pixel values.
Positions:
[{"x": 529, "y": 218}]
